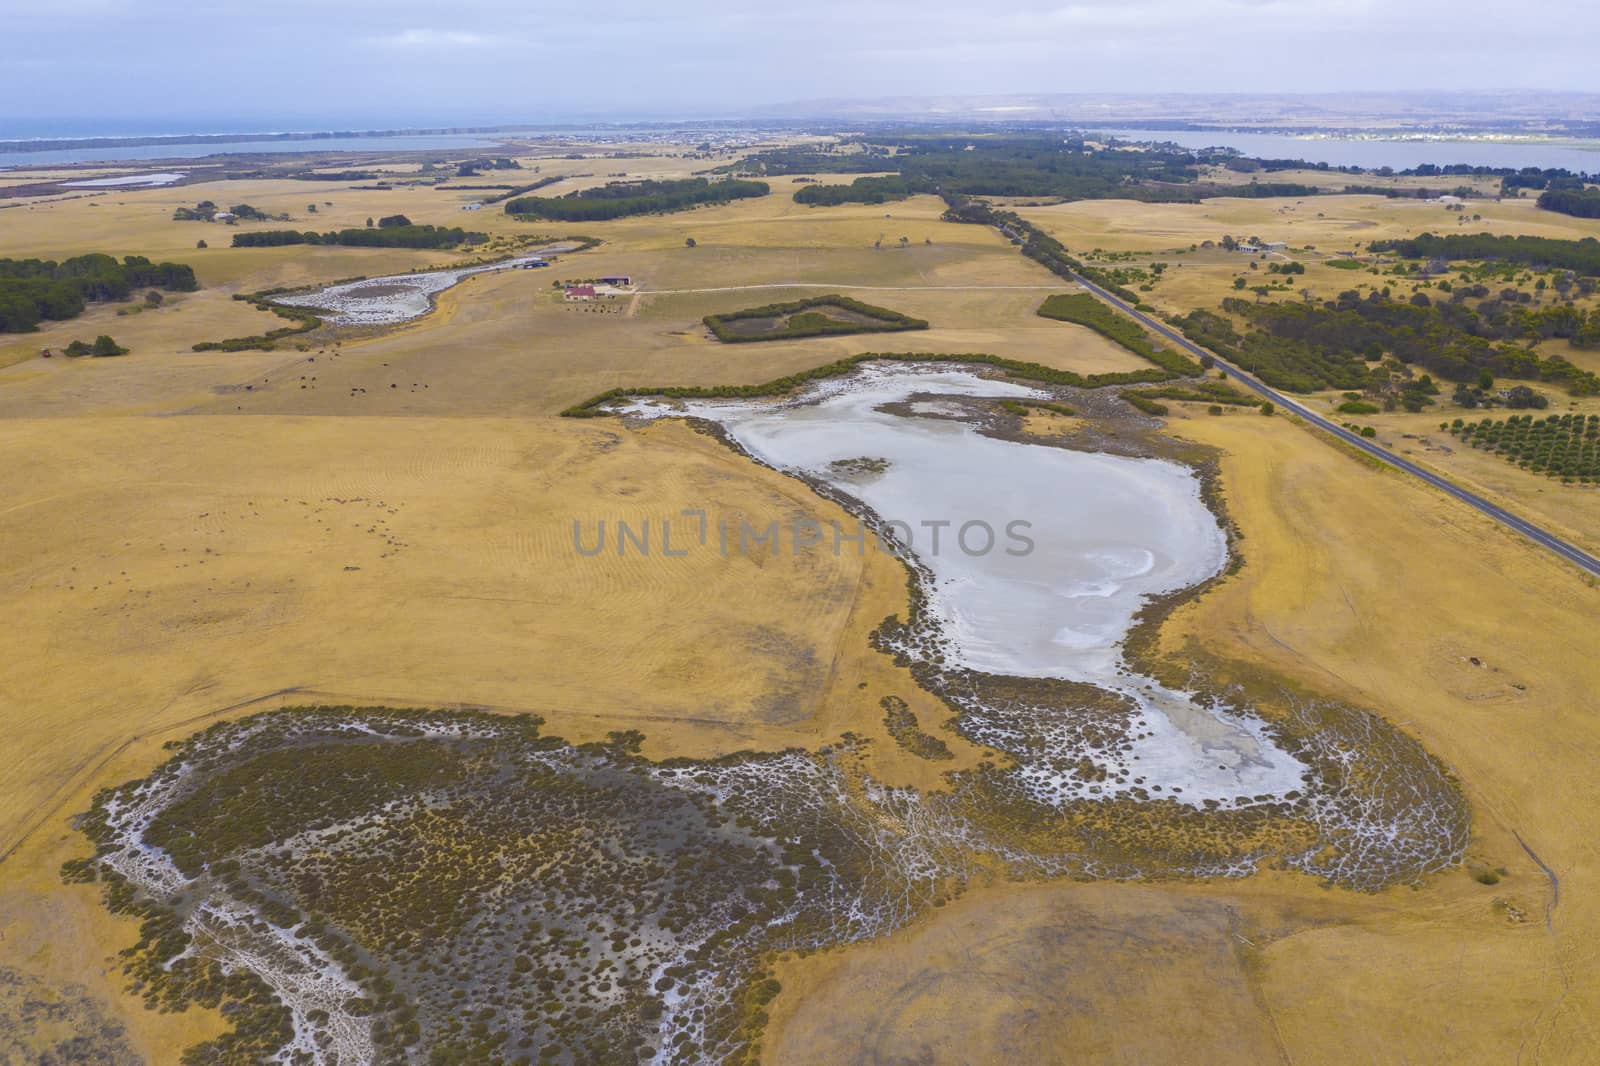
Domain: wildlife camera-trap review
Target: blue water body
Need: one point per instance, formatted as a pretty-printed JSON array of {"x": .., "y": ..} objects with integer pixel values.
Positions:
[
  {"x": 1372, "y": 154},
  {"x": 114, "y": 154}
]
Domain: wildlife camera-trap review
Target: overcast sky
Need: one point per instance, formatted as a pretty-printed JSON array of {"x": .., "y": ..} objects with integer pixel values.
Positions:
[{"x": 228, "y": 65}]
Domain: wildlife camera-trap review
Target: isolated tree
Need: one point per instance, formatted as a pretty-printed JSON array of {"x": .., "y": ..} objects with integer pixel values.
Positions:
[
  {"x": 311, "y": 208},
  {"x": 905, "y": 241},
  {"x": 689, "y": 242},
  {"x": 153, "y": 298},
  {"x": 369, "y": 221},
  {"x": 104, "y": 345},
  {"x": 200, "y": 244}
]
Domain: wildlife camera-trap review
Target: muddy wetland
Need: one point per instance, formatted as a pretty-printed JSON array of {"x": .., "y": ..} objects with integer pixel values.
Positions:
[{"x": 371, "y": 884}]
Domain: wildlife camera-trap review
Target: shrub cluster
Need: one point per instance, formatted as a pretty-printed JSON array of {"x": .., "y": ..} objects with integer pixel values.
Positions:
[{"x": 35, "y": 290}]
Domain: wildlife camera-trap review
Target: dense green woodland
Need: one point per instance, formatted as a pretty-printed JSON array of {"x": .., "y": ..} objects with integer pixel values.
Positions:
[
  {"x": 390, "y": 236},
  {"x": 1016, "y": 166},
  {"x": 1303, "y": 347},
  {"x": 622, "y": 199},
  {"x": 1581, "y": 203},
  {"x": 36, "y": 290},
  {"x": 1582, "y": 256}
]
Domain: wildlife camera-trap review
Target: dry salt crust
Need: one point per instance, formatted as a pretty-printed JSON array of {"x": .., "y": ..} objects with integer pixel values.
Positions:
[
  {"x": 1108, "y": 532},
  {"x": 398, "y": 297}
]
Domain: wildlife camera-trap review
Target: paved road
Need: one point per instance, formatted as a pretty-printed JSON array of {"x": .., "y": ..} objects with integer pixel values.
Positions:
[
  {"x": 1534, "y": 533},
  {"x": 857, "y": 288}
]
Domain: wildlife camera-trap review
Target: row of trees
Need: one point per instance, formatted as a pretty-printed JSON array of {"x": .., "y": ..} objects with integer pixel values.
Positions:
[
  {"x": 1562, "y": 446},
  {"x": 390, "y": 235},
  {"x": 808, "y": 318},
  {"x": 1084, "y": 310},
  {"x": 36, "y": 290},
  {"x": 622, "y": 199}
]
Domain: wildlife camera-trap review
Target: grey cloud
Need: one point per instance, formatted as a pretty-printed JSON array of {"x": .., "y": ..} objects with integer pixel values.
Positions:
[{"x": 410, "y": 61}]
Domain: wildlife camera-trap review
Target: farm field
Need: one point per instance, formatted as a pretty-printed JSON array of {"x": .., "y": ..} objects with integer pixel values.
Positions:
[{"x": 387, "y": 517}]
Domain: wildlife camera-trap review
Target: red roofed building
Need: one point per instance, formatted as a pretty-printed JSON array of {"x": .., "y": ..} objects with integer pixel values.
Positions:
[{"x": 580, "y": 292}]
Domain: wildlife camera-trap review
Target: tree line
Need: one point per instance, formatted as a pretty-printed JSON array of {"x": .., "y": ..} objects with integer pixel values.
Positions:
[
  {"x": 394, "y": 236},
  {"x": 1084, "y": 310},
  {"x": 36, "y": 290},
  {"x": 809, "y": 318},
  {"x": 622, "y": 199}
]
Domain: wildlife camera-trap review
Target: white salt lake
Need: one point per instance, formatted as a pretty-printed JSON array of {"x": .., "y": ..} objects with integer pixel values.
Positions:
[
  {"x": 1108, "y": 533},
  {"x": 399, "y": 297}
]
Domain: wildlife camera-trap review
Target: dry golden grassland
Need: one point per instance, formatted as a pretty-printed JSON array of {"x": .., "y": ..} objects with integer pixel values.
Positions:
[
  {"x": 1329, "y": 222},
  {"x": 398, "y": 530},
  {"x": 247, "y": 541}
]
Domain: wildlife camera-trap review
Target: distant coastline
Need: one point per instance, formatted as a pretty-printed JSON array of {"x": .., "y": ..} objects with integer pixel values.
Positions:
[{"x": 47, "y": 144}]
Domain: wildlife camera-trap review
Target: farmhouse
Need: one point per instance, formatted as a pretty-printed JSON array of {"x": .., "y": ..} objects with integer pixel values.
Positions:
[{"x": 580, "y": 292}]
